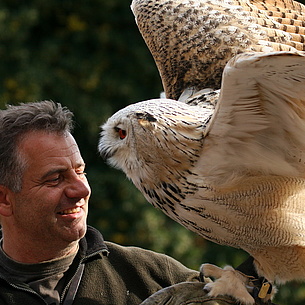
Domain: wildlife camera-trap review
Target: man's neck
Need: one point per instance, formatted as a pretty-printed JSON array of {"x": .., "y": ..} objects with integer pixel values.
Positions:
[{"x": 28, "y": 255}]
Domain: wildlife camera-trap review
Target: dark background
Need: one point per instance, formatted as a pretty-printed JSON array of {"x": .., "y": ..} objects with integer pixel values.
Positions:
[{"x": 89, "y": 56}]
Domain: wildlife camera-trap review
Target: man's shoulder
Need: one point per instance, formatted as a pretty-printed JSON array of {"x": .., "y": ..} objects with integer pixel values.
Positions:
[
  {"x": 134, "y": 251},
  {"x": 146, "y": 259},
  {"x": 122, "y": 254},
  {"x": 96, "y": 243}
]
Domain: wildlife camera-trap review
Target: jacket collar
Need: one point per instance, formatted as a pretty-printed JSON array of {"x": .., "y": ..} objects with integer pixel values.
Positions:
[{"x": 92, "y": 244}]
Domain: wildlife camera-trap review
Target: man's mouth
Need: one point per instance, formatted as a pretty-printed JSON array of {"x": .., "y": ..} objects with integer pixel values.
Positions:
[{"x": 70, "y": 211}]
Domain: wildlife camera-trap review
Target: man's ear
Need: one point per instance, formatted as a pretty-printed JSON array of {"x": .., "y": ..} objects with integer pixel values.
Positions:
[{"x": 5, "y": 201}]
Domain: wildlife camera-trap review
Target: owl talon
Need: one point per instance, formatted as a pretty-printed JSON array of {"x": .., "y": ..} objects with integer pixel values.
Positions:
[{"x": 228, "y": 282}]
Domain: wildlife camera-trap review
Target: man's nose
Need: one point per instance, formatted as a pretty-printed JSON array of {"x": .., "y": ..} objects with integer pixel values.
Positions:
[{"x": 78, "y": 187}]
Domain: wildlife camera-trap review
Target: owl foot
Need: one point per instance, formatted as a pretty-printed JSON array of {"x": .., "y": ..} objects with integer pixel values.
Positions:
[{"x": 228, "y": 282}]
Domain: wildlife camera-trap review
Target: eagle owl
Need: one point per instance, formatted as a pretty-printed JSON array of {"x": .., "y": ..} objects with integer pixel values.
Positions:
[
  {"x": 231, "y": 171},
  {"x": 192, "y": 40},
  {"x": 227, "y": 164}
]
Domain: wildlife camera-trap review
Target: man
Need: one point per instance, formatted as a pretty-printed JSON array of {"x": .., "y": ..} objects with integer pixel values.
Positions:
[{"x": 48, "y": 255}]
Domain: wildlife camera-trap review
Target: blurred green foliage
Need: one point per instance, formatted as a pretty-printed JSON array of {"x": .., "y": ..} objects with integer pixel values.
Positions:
[{"x": 89, "y": 56}]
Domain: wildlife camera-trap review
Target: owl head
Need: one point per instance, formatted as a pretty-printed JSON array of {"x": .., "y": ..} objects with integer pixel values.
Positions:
[{"x": 154, "y": 141}]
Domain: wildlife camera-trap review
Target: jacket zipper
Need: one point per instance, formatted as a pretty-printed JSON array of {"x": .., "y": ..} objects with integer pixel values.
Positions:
[
  {"x": 29, "y": 290},
  {"x": 62, "y": 297}
]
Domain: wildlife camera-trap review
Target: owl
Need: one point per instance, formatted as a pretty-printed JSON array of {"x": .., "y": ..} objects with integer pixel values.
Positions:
[
  {"x": 192, "y": 40},
  {"x": 231, "y": 168}
]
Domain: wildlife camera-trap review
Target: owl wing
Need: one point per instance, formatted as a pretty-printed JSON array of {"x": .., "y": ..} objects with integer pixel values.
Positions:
[
  {"x": 191, "y": 41},
  {"x": 259, "y": 121}
]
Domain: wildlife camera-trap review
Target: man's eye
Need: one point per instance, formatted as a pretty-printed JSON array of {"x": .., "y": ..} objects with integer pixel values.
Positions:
[{"x": 53, "y": 180}]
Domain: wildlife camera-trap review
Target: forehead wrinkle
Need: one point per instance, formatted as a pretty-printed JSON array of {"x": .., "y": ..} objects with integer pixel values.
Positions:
[
  {"x": 73, "y": 148},
  {"x": 53, "y": 158}
]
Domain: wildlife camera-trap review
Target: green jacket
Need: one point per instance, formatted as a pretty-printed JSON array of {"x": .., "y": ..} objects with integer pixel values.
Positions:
[{"x": 113, "y": 275}]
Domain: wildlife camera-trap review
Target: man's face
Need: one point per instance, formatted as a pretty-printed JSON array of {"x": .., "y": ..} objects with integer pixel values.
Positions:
[{"x": 53, "y": 203}]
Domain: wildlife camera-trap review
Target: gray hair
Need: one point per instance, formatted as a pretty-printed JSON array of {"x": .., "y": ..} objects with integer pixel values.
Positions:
[{"x": 15, "y": 122}]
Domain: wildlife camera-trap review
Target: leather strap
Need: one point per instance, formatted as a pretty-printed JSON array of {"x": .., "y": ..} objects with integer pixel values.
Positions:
[
  {"x": 260, "y": 288},
  {"x": 70, "y": 296}
]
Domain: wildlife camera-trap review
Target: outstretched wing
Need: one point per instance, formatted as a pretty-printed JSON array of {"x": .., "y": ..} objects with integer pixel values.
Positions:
[
  {"x": 191, "y": 41},
  {"x": 259, "y": 120}
]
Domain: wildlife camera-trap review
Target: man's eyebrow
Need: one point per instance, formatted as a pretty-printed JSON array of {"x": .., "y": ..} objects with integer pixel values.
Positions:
[
  {"x": 54, "y": 171},
  {"x": 61, "y": 170}
]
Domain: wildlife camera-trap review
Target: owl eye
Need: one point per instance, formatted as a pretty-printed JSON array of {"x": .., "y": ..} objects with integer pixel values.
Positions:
[{"x": 122, "y": 133}]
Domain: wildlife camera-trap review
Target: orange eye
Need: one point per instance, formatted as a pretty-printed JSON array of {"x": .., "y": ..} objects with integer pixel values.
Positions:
[{"x": 122, "y": 133}]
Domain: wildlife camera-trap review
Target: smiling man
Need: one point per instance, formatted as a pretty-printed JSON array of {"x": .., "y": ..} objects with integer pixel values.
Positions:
[
  {"x": 48, "y": 254},
  {"x": 52, "y": 202}
]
